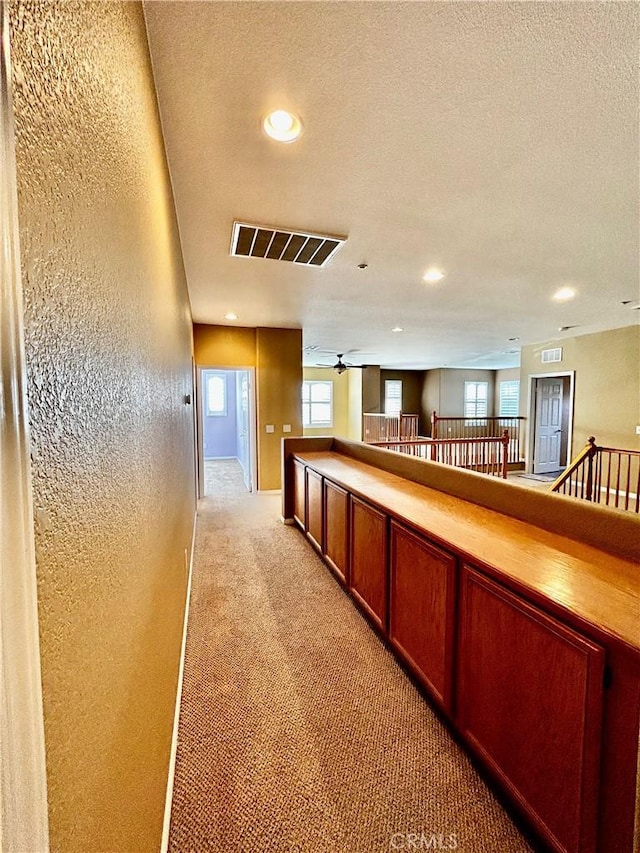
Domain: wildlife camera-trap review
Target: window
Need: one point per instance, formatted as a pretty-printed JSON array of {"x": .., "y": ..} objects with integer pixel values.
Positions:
[
  {"x": 317, "y": 404},
  {"x": 509, "y": 398},
  {"x": 392, "y": 396},
  {"x": 216, "y": 395},
  {"x": 476, "y": 395}
]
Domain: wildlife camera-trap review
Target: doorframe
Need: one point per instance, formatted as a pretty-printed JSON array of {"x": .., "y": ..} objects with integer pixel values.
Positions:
[
  {"x": 253, "y": 454},
  {"x": 531, "y": 415},
  {"x": 23, "y": 779}
]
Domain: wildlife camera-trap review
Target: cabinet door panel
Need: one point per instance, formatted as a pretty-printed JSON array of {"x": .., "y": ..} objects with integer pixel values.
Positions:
[
  {"x": 422, "y": 609},
  {"x": 368, "y": 576},
  {"x": 336, "y": 528},
  {"x": 314, "y": 508},
  {"x": 299, "y": 493},
  {"x": 530, "y": 699}
]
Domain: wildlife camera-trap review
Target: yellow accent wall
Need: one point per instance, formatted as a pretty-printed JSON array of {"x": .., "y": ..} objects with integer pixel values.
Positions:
[
  {"x": 108, "y": 350},
  {"x": 277, "y": 356},
  {"x": 607, "y": 384},
  {"x": 340, "y": 399}
]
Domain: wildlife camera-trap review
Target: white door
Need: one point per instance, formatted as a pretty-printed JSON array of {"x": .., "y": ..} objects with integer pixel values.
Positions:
[
  {"x": 548, "y": 425},
  {"x": 243, "y": 386}
]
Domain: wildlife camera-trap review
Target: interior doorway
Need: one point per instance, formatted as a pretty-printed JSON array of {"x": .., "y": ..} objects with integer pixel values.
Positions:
[
  {"x": 550, "y": 419},
  {"x": 226, "y": 423}
]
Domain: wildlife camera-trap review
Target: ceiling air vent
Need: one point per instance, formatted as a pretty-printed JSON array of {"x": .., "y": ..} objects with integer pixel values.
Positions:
[
  {"x": 551, "y": 355},
  {"x": 277, "y": 244}
]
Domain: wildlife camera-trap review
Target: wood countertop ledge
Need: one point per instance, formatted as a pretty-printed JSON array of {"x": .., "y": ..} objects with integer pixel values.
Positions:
[{"x": 595, "y": 586}]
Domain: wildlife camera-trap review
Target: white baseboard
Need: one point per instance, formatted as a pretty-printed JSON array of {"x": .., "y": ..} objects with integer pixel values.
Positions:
[{"x": 164, "y": 845}]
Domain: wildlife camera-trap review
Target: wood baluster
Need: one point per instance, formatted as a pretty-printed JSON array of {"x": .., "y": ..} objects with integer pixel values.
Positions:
[
  {"x": 592, "y": 453},
  {"x": 505, "y": 445},
  {"x": 626, "y": 500}
]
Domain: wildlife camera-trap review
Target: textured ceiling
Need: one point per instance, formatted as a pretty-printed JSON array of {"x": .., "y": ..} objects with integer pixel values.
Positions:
[{"x": 497, "y": 141}]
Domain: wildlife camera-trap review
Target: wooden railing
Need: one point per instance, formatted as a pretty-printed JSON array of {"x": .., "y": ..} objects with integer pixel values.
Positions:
[
  {"x": 485, "y": 455},
  {"x": 377, "y": 427},
  {"x": 603, "y": 475},
  {"x": 489, "y": 427}
]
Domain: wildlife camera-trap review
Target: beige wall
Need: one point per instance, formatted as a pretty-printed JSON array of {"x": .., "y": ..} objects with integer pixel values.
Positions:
[
  {"x": 430, "y": 401},
  {"x": 412, "y": 385},
  {"x": 354, "y": 431},
  {"x": 443, "y": 392},
  {"x": 452, "y": 389},
  {"x": 607, "y": 384},
  {"x": 340, "y": 399},
  {"x": 371, "y": 402},
  {"x": 108, "y": 347},
  {"x": 277, "y": 356}
]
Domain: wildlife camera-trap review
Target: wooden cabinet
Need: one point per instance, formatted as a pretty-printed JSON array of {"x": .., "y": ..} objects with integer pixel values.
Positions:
[
  {"x": 314, "y": 508},
  {"x": 422, "y": 610},
  {"x": 368, "y": 560},
  {"x": 299, "y": 494},
  {"x": 512, "y": 650},
  {"x": 529, "y": 700},
  {"x": 336, "y": 529}
]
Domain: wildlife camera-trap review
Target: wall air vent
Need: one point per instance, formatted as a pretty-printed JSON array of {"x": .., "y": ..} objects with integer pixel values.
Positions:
[
  {"x": 277, "y": 244},
  {"x": 551, "y": 355}
]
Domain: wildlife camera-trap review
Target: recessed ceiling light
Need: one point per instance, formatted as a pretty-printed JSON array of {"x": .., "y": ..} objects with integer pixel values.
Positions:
[
  {"x": 564, "y": 294},
  {"x": 282, "y": 126},
  {"x": 397, "y": 329},
  {"x": 230, "y": 316},
  {"x": 433, "y": 275}
]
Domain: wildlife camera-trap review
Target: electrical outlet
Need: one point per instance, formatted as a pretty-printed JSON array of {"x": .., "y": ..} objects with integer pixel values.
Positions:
[{"x": 638, "y": 429}]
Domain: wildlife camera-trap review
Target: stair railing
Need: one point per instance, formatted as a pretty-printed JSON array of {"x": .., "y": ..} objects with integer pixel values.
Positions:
[
  {"x": 480, "y": 427},
  {"x": 487, "y": 455},
  {"x": 378, "y": 427},
  {"x": 604, "y": 475}
]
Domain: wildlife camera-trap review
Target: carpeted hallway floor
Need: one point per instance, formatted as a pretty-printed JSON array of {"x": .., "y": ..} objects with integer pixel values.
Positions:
[{"x": 298, "y": 730}]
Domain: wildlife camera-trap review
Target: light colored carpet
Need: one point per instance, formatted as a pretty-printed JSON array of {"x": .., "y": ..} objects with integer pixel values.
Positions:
[{"x": 298, "y": 730}]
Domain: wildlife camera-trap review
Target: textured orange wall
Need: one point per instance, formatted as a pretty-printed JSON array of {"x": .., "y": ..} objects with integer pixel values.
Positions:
[
  {"x": 108, "y": 344},
  {"x": 224, "y": 346}
]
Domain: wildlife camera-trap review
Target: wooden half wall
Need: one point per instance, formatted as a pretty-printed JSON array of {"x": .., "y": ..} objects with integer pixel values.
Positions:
[{"x": 611, "y": 530}]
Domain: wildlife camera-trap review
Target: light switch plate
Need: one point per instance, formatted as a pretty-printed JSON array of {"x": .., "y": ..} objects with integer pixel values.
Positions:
[
  {"x": 270, "y": 428},
  {"x": 638, "y": 429},
  {"x": 286, "y": 427}
]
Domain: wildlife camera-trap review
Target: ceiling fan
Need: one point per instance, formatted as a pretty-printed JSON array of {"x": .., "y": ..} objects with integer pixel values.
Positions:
[{"x": 340, "y": 366}]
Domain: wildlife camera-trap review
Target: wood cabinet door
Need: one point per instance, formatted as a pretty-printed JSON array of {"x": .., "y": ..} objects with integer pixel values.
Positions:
[
  {"x": 299, "y": 494},
  {"x": 368, "y": 563},
  {"x": 336, "y": 529},
  {"x": 530, "y": 700},
  {"x": 422, "y": 610},
  {"x": 314, "y": 508}
]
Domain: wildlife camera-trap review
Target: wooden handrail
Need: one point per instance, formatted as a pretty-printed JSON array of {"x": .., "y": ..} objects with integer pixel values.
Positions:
[
  {"x": 378, "y": 427},
  {"x": 469, "y": 453},
  {"x": 604, "y": 475},
  {"x": 489, "y": 426},
  {"x": 587, "y": 452}
]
